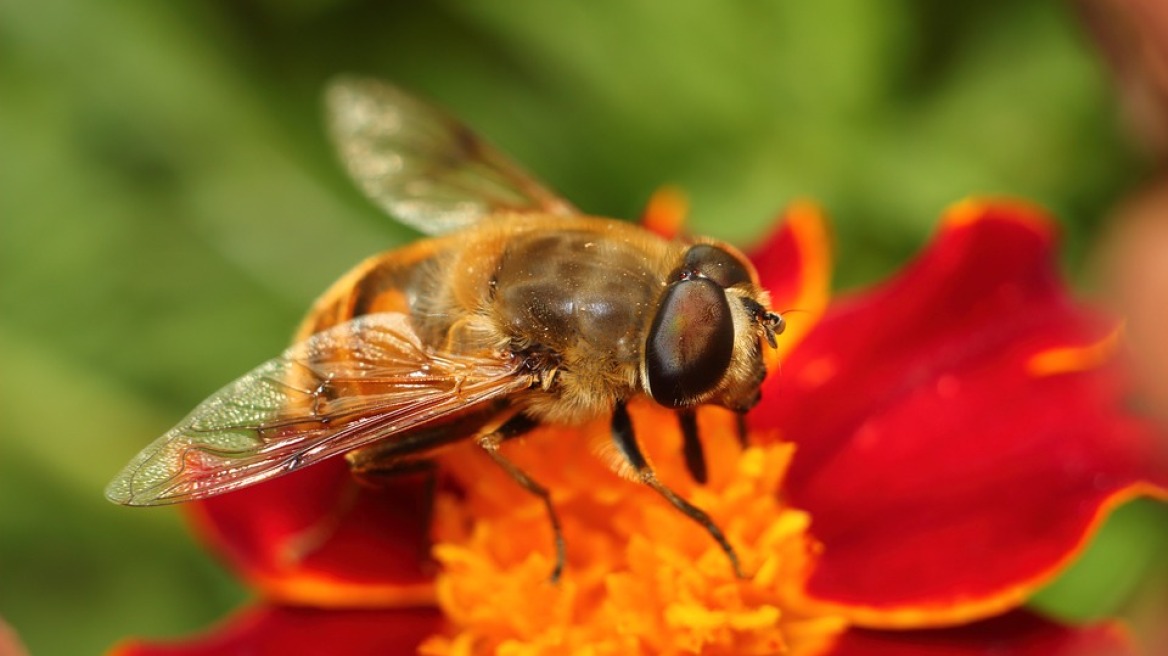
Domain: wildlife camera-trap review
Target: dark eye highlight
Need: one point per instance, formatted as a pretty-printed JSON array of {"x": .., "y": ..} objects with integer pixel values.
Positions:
[{"x": 690, "y": 342}]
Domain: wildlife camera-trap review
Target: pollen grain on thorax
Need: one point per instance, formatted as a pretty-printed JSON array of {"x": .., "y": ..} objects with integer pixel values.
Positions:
[{"x": 641, "y": 577}]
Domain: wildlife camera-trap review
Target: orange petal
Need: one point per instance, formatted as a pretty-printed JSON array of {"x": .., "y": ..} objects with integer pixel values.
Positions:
[
  {"x": 641, "y": 576},
  {"x": 666, "y": 211}
]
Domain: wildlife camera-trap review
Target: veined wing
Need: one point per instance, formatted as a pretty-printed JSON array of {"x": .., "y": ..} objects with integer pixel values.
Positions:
[
  {"x": 362, "y": 381},
  {"x": 423, "y": 166}
]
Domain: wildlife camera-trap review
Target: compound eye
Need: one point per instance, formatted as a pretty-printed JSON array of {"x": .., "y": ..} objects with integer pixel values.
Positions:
[
  {"x": 690, "y": 342},
  {"x": 716, "y": 264}
]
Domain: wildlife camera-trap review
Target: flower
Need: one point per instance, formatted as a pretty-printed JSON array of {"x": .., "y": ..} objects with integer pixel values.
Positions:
[
  {"x": 932, "y": 451},
  {"x": 10, "y": 644}
]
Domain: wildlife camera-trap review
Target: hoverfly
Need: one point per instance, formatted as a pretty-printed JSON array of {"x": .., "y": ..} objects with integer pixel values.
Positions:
[{"x": 519, "y": 310}]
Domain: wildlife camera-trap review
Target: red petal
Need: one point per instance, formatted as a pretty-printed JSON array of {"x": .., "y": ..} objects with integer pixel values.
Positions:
[
  {"x": 316, "y": 537},
  {"x": 794, "y": 265},
  {"x": 1015, "y": 634},
  {"x": 959, "y": 429},
  {"x": 282, "y": 630}
]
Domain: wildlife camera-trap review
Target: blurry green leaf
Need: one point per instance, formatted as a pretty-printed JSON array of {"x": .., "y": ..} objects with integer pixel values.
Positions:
[{"x": 78, "y": 426}]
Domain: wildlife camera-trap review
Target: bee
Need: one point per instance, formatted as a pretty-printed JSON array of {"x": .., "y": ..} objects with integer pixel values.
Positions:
[{"x": 519, "y": 310}]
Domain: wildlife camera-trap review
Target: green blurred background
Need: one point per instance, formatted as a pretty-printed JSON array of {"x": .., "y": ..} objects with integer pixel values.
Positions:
[{"x": 169, "y": 207}]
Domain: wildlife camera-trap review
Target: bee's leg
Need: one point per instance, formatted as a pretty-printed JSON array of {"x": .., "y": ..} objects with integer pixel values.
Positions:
[
  {"x": 514, "y": 427},
  {"x": 622, "y": 434},
  {"x": 695, "y": 458},
  {"x": 374, "y": 475},
  {"x": 387, "y": 457},
  {"x": 376, "y": 467},
  {"x": 517, "y": 426},
  {"x": 740, "y": 424}
]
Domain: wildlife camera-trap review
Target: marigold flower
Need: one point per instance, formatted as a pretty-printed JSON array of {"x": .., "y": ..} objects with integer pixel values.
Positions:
[{"x": 932, "y": 451}]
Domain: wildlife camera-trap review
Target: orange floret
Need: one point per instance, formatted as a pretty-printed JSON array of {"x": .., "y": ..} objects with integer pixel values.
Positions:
[{"x": 641, "y": 577}]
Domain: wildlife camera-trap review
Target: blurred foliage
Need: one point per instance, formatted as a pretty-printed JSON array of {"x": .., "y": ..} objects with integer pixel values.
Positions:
[{"x": 169, "y": 205}]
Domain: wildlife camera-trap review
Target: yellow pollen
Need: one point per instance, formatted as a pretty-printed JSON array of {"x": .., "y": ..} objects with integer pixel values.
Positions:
[{"x": 641, "y": 577}]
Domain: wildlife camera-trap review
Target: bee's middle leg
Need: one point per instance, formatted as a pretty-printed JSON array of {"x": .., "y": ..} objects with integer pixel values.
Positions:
[
  {"x": 626, "y": 441},
  {"x": 379, "y": 474},
  {"x": 369, "y": 470},
  {"x": 517, "y": 425},
  {"x": 377, "y": 465}
]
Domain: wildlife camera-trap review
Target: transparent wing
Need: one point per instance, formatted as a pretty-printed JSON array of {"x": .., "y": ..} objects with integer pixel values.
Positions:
[
  {"x": 421, "y": 165},
  {"x": 362, "y": 381}
]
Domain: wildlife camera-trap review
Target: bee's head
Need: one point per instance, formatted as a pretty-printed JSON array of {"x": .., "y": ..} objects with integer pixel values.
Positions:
[{"x": 705, "y": 343}]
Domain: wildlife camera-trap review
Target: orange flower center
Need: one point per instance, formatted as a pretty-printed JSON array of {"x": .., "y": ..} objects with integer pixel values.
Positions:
[{"x": 641, "y": 577}]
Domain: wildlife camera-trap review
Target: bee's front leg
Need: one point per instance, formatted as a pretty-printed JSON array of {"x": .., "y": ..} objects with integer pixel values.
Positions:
[
  {"x": 742, "y": 429},
  {"x": 695, "y": 457},
  {"x": 626, "y": 441}
]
